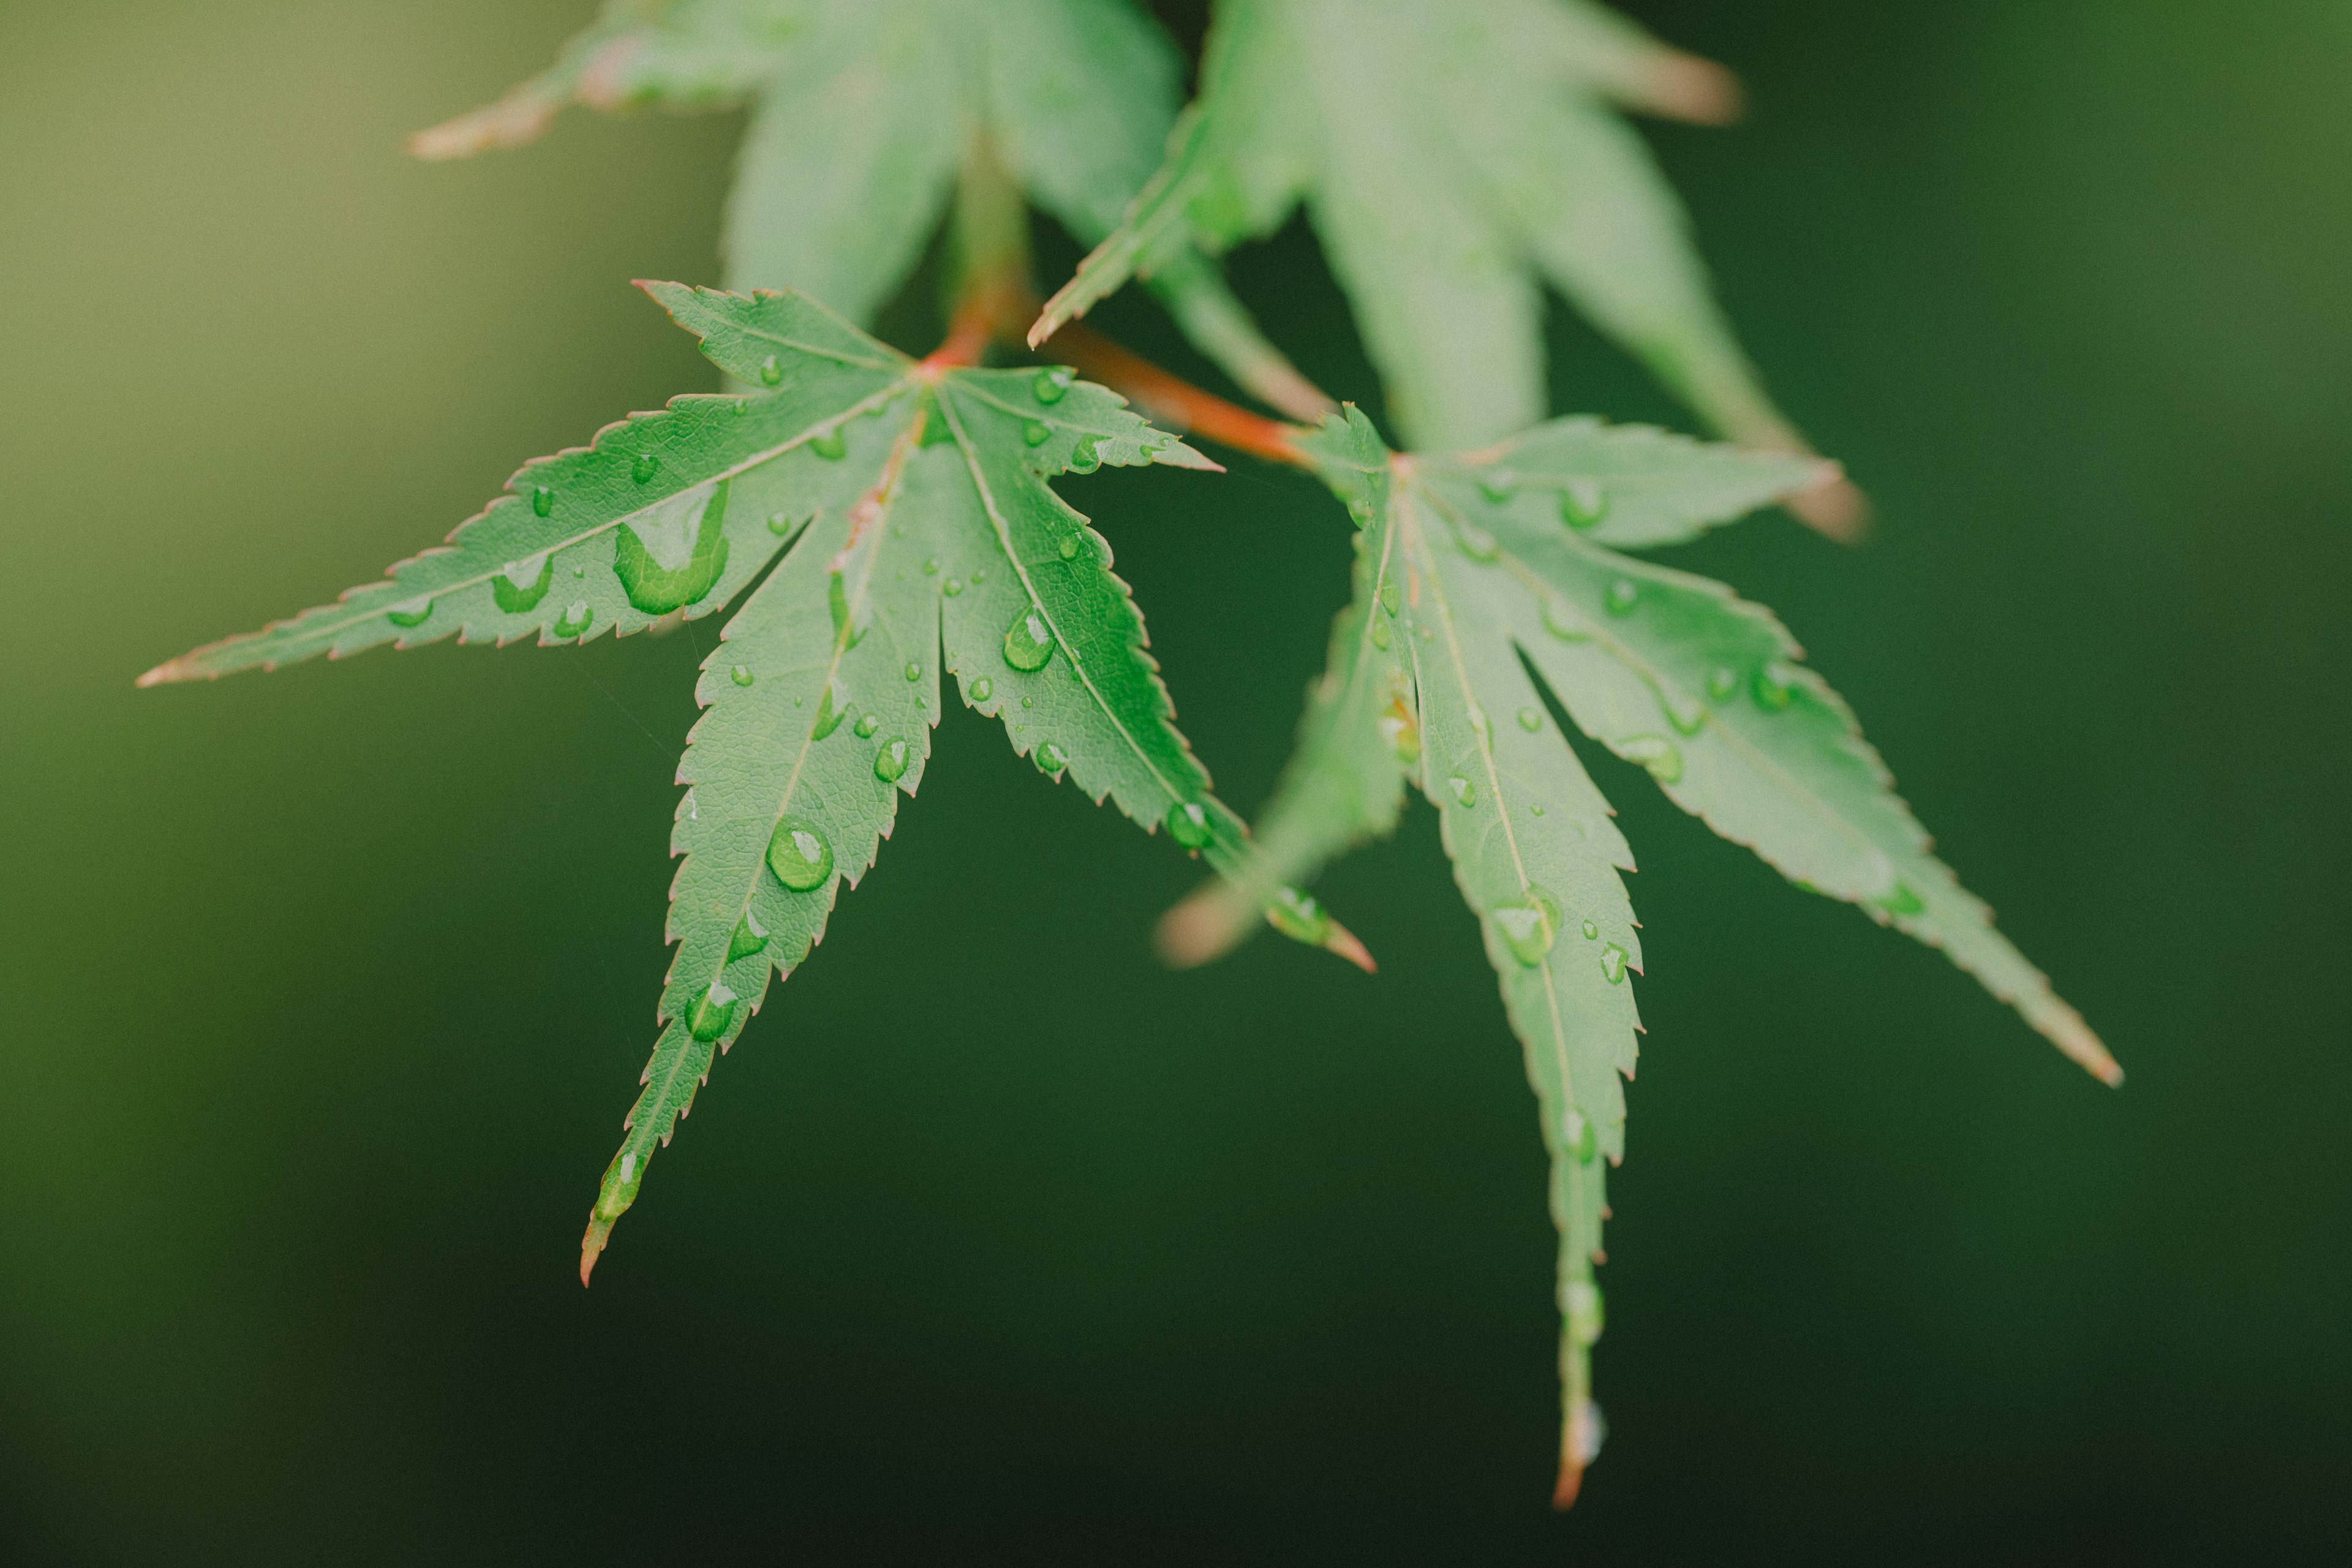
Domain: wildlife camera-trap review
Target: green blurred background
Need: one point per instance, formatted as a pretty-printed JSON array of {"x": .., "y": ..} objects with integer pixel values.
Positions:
[{"x": 995, "y": 1241}]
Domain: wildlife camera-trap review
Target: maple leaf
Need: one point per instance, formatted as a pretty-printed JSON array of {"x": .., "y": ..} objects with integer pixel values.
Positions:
[
  {"x": 1476, "y": 577},
  {"x": 1450, "y": 156},
  {"x": 865, "y": 111},
  {"x": 910, "y": 504}
]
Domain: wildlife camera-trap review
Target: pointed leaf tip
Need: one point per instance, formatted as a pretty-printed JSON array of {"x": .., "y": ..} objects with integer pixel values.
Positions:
[{"x": 591, "y": 1246}]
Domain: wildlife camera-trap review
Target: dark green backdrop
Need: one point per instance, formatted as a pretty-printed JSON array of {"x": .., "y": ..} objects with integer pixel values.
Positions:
[{"x": 994, "y": 1241}]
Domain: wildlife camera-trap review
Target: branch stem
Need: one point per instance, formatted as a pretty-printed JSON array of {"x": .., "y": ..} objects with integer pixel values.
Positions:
[{"x": 1174, "y": 401}]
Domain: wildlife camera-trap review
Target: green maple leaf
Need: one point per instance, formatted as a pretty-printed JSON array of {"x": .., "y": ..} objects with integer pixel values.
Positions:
[
  {"x": 1450, "y": 156},
  {"x": 918, "y": 532},
  {"x": 1473, "y": 577},
  {"x": 864, "y": 112}
]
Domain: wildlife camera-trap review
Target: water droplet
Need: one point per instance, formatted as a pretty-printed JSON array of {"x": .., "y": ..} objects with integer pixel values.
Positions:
[
  {"x": 865, "y": 727},
  {"x": 1051, "y": 759},
  {"x": 832, "y": 709},
  {"x": 1656, "y": 752},
  {"x": 982, "y": 690},
  {"x": 1052, "y": 386},
  {"x": 1028, "y": 644},
  {"x": 1584, "y": 1311},
  {"x": 1036, "y": 432},
  {"x": 646, "y": 467},
  {"x": 1069, "y": 545},
  {"x": 1530, "y": 721},
  {"x": 1476, "y": 541},
  {"x": 749, "y": 937},
  {"x": 914, "y": 670},
  {"x": 712, "y": 1012},
  {"x": 1298, "y": 916},
  {"x": 1775, "y": 685},
  {"x": 772, "y": 372},
  {"x": 890, "y": 762},
  {"x": 1583, "y": 503},
  {"x": 1722, "y": 681},
  {"x": 952, "y": 588},
  {"x": 831, "y": 445},
  {"x": 576, "y": 618},
  {"x": 1360, "y": 511},
  {"x": 1083, "y": 458},
  {"x": 523, "y": 584},
  {"x": 1390, "y": 597},
  {"x": 980, "y": 575},
  {"x": 1586, "y": 1432},
  {"x": 412, "y": 612},
  {"x": 780, "y": 523},
  {"x": 799, "y": 854},
  {"x": 673, "y": 554},
  {"x": 740, "y": 675},
  {"x": 1534, "y": 808},
  {"x": 543, "y": 500},
  {"x": 1463, "y": 789},
  {"x": 1687, "y": 718},
  {"x": 1188, "y": 824},
  {"x": 1901, "y": 900},
  {"x": 931, "y": 567},
  {"x": 1498, "y": 485},
  {"x": 1398, "y": 727},
  {"x": 1592, "y": 932},
  {"x": 1564, "y": 623},
  {"x": 1529, "y": 929},
  {"x": 1613, "y": 963},
  {"x": 1380, "y": 637},
  {"x": 1580, "y": 1140},
  {"x": 1028, "y": 703},
  {"x": 1624, "y": 594}
]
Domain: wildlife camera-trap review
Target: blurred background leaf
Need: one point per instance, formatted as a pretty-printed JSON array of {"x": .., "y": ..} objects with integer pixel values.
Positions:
[{"x": 300, "y": 1149}]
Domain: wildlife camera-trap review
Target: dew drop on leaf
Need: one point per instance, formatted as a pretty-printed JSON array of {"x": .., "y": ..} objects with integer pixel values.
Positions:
[
  {"x": 712, "y": 1012},
  {"x": 1613, "y": 963},
  {"x": 772, "y": 372},
  {"x": 749, "y": 937},
  {"x": 740, "y": 675},
  {"x": 1380, "y": 637},
  {"x": 1051, "y": 759},
  {"x": 799, "y": 854},
  {"x": 1390, "y": 597},
  {"x": 982, "y": 690},
  {"x": 1498, "y": 485},
  {"x": 931, "y": 566},
  {"x": 1774, "y": 685},
  {"x": 523, "y": 584},
  {"x": 1051, "y": 386},
  {"x": 1529, "y": 929},
  {"x": 1298, "y": 916},
  {"x": 576, "y": 618},
  {"x": 890, "y": 762},
  {"x": 952, "y": 588},
  {"x": 914, "y": 670},
  {"x": 832, "y": 709},
  {"x": 1036, "y": 432},
  {"x": 1028, "y": 644},
  {"x": 865, "y": 727},
  {"x": 831, "y": 445},
  {"x": 1656, "y": 752},
  {"x": 1592, "y": 932},
  {"x": 1463, "y": 791},
  {"x": 646, "y": 466},
  {"x": 1624, "y": 594},
  {"x": 1084, "y": 460},
  {"x": 1564, "y": 623},
  {"x": 1069, "y": 546},
  {"x": 1583, "y": 503},
  {"x": 1476, "y": 541},
  {"x": 1188, "y": 824},
  {"x": 1722, "y": 681},
  {"x": 1360, "y": 511},
  {"x": 1900, "y": 900},
  {"x": 411, "y": 612},
  {"x": 543, "y": 500},
  {"x": 1578, "y": 1137},
  {"x": 1530, "y": 721}
]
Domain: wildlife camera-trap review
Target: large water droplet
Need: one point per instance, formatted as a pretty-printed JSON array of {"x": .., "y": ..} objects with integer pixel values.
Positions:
[
  {"x": 1498, "y": 485},
  {"x": 674, "y": 554},
  {"x": 1071, "y": 544},
  {"x": 832, "y": 709},
  {"x": 1656, "y": 752},
  {"x": 1298, "y": 916},
  {"x": 1775, "y": 685},
  {"x": 1028, "y": 644},
  {"x": 543, "y": 500},
  {"x": 1688, "y": 718},
  {"x": 1592, "y": 932},
  {"x": 412, "y": 612},
  {"x": 799, "y": 854},
  {"x": 1052, "y": 386},
  {"x": 741, "y": 675},
  {"x": 1529, "y": 929},
  {"x": 646, "y": 466},
  {"x": 1463, "y": 789},
  {"x": 831, "y": 445},
  {"x": 1580, "y": 1140},
  {"x": 1564, "y": 623},
  {"x": 1084, "y": 460},
  {"x": 523, "y": 584},
  {"x": 1036, "y": 432},
  {"x": 1051, "y": 759},
  {"x": 1583, "y": 503},
  {"x": 576, "y": 618},
  {"x": 712, "y": 1012},
  {"x": 1624, "y": 594},
  {"x": 772, "y": 372},
  {"x": 914, "y": 670},
  {"x": 1613, "y": 963},
  {"x": 1188, "y": 824},
  {"x": 890, "y": 762},
  {"x": 982, "y": 690},
  {"x": 1583, "y": 1311},
  {"x": 749, "y": 937}
]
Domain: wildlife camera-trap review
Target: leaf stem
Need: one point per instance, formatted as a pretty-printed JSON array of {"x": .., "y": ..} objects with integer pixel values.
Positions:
[{"x": 1172, "y": 401}]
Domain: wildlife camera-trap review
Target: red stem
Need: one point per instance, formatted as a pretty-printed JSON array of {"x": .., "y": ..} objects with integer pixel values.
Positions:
[{"x": 1176, "y": 402}]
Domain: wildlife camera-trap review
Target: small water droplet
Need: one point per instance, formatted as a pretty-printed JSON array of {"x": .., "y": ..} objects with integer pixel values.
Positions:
[
  {"x": 741, "y": 675},
  {"x": 1564, "y": 623},
  {"x": 1583, "y": 503},
  {"x": 799, "y": 854},
  {"x": 1463, "y": 789},
  {"x": 1580, "y": 1140},
  {"x": 831, "y": 445},
  {"x": 865, "y": 727},
  {"x": 1530, "y": 721},
  {"x": 1381, "y": 636},
  {"x": 749, "y": 937},
  {"x": 1901, "y": 900},
  {"x": 952, "y": 588},
  {"x": 931, "y": 567},
  {"x": 1028, "y": 703},
  {"x": 543, "y": 500},
  {"x": 832, "y": 709},
  {"x": 772, "y": 372},
  {"x": 1083, "y": 458},
  {"x": 1624, "y": 594},
  {"x": 1188, "y": 824},
  {"x": 1051, "y": 759},
  {"x": 1052, "y": 386},
  {"x": 1534, "y": 808},
  {"x": 1476, "y": 541},
  {"x": 1592, "y": 932},
  {"x": 1298, "y": 916},
  {"x": 576, "y": 618},
  {"x": 712, "y": 1012},
  {"x": 1584, "y": 1313},
  {"x": 980, "y": 575},
  {"x": 914, "y": 670},
  {"x": 890, "y": 762},
  {"x": 411, "y": 612},
  {"x": 1775, "y": 685},
  {"x": 1028, "y": 644},
  {"x": 646, "y": 467},
  {"x": 1722, "y": 681},
  {"x": 982, "y": 690},
  {"x": 1656, "y": 752},
  {"x": 1613, "y": 963},
  {"x": 1036, "y": 432},
  {"x": 1687, "y": 718},
  {"x": 1390, "y": 597},
  {"x": 1360, "y": 511},
  {"x": 1498, "y": 485},
  {"x": 779, "y": 523},
  {"x": 1069, "y": 545}
]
